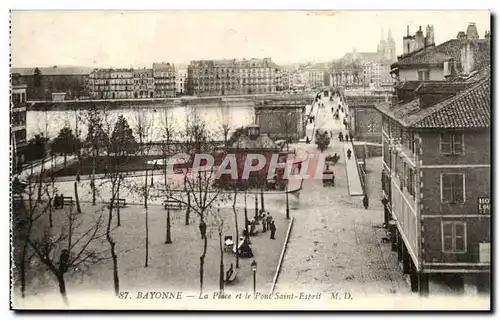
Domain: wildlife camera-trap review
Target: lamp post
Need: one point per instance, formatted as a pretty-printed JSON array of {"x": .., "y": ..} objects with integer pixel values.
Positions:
[
  {"x": 254, "y": 271},
  {"x": 256, "y": 208},
  {"x": 287, "y": 205}
]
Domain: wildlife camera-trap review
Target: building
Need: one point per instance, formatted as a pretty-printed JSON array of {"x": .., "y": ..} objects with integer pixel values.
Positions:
[
  {"x": 282, "y": 119},
  {"x": 42, "y": 82},
  {"x": 436, "y": 151},
  {"x": 257, "y": 76},
  {"x": 422, "y": 60},
  {"x": 144, "y": 83},
  {"x": 231, "y": 77},
  {"x": 18, "y": 120},
  {"x": 314, "y": 75},
  {"x": 111, "y": 84},
  {"x": 181, "y": 81},
  {"x": 357, "y": 69},
  {"x": 165, "y": 80}
]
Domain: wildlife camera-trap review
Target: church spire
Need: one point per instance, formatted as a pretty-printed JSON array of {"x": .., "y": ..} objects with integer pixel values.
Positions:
[
  {"x": 382, "y": 34},
  {"x": 389, "y": 34}
]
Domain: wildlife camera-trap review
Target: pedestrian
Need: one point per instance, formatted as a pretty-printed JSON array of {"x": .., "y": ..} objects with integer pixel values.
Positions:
[
  {"x": 269, "y": 218},
  {"x": 300, "y": 166},
  {"x": 332, "y": 109},
  {"x": 273, "y": 230},
  {"x": 62, "y": 201},
  {"x": 347, "y": 138},
  {"x": 264, "y": 223},
  {"x": 307, "y": 140},
  {"x": 349, "y": 154},
  {"x": 365, "y": 201},
  {"x": 78, "y": 177},
  {"x": 341, "y": 136},
  {"x": 203, "y": 229},
  {"x": 351, "y": 137}
]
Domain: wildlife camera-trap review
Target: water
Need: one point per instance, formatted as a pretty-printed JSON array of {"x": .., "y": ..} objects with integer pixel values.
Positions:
[{"x": 51, "y": 122}]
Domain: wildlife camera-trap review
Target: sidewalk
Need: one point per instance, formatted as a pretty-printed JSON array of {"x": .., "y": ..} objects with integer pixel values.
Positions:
[{"x": 351, "y": 166}]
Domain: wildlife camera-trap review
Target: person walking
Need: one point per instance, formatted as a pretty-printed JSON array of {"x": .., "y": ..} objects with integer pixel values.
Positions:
[
  {"x": 273, "y": 230},
  {"x": 347, "y": 138},
  {"x": 349, "y": 152},
  {"x": 351, "y": 137},
  {"x": 365, "y": 201},
  {"x": 264, "y": 224},
  {"x": 341, "y": 136},
  {"x": 307, "y": 140}
]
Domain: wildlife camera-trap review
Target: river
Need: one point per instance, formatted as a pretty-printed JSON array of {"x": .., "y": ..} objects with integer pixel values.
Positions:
[{"x": 51, "y": 122}]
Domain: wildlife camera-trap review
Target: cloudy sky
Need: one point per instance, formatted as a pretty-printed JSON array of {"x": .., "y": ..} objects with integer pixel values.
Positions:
[{"x": 138, "y": 38}]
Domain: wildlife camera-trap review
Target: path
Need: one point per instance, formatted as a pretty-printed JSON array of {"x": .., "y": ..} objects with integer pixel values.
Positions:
[{"x": 335, "y": 244}]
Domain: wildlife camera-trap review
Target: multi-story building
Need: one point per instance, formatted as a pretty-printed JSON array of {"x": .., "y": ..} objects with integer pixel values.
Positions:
[
  {"x": 18, "y": 120},
  {"x": 257, "y": 76},
  {"x": 181, "y": 81},
  {"x": 144, "y": 83},
  {"x": 164, "y": 76},
  {"x": 422, "y": 60},
  {"x": 315, "y": 75},
  {"x": 111, "y": 84},
  {"x": 282, "y": 119},
  {"x": 42, "y": 82},
  {"x": 231, "y": 77},
  {"x": 436, "y": 175}
]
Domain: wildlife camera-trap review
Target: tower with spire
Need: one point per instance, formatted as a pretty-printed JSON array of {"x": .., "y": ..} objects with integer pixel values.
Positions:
[{"x": 386, "y": 48}]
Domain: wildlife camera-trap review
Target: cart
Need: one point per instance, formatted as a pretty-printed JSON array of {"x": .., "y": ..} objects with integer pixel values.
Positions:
[{"x": 328, "y": 178}]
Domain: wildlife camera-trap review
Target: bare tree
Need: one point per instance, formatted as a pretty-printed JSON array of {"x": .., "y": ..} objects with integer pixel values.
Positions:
[
  {"x": 199, "y": 184},
  {"x": 69, "y": 246},
  {"x": 143, "y": 129},
  {"x": 236, "y": 226},
  {"x": 224, "y": 115},
  {"x": 24, "y": 217}
]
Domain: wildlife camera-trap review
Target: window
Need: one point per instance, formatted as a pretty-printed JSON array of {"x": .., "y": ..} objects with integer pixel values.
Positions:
[
  {"x": 452, "y": 143},
  {"x": 423, "y": 75},
  {"x": 452, "y": 188},
  {"x": 454, "y": 236}
]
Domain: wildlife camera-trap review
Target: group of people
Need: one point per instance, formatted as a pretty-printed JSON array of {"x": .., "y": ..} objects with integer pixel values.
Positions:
[
  {"x": 267, "y": 224},
  {"x": 345, "y": 138}
]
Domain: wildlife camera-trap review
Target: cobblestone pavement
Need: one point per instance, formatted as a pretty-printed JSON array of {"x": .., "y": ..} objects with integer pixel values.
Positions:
[{"x": 335, "y": 244}]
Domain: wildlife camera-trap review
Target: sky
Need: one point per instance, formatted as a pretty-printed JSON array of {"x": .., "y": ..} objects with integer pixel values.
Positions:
[{"x": 139, "y": 38}]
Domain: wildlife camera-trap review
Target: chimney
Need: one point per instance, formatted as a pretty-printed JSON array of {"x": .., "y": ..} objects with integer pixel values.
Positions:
[
  {"x": 408, "y": 41},
  {"x": 429, "y": 35},
  {"x": 419, "y": 39},
  {"x": 461, "y": 36},
  {"x": 472, "y": 32}
]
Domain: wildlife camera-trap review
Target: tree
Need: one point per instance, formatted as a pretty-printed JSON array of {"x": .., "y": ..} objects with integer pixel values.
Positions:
[
  {"x": 224, "y": 115},
  {"x": 322, "y": 140},
  {"x": 237, "y": 133},
  {"x": 122, "y": 139},
  {"x": 289, "y": 124},
  {"x": 69, "y": 246},
  {"x": 65, "y": 143},
  {"x": 96, "y": 139},
  {"x": 199, "y": 184},
  {"x": 143, "y": 129}
]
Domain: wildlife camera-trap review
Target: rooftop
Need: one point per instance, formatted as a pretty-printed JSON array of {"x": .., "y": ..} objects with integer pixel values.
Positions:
[
  {"x": 52, "y": 71},
  {"x": 469, "y": 108}
]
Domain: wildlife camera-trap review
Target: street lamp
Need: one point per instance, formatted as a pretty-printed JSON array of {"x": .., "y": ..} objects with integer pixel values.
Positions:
[{"x": 254, "y": 271}]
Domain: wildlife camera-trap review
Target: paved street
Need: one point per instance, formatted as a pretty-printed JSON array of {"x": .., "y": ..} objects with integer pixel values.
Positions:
[{"x": 335, "y": 244}]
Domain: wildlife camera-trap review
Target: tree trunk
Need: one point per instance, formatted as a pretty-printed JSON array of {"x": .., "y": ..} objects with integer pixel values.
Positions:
[
  {"x": 65, "y": 155},
  {"x": 51, "y": 223},
  {"x": 62, "y": 288},
  {"x": 236, "y": 241},
  {"x": 188, "y": 209},
  {"x": 246, "y": 220},
  {"x": 287, "y": 205},
  {"x": 146, "y": 258},
  {"x": 93, "y": 182},
  {"x": 22, "y": 268},
  {"x": 118, "y": 216},
  {"x": 114, "y": 257},
  {"x": 221, "y": 268},
  {"x": 262, "y": 198},
  {"x": 256, "y": 209},
  {"x": 78, "y": 209},
  {"x": 168, "y": 238},
  {"x": 202, "y": 261}
]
